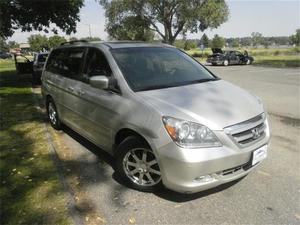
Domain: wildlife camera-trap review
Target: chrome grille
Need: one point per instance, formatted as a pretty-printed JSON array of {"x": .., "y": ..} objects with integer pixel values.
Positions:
[{"x": 247, "y": 132}]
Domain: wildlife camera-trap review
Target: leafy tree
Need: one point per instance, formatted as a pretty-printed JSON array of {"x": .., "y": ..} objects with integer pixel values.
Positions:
[
  {"x": 3, "y": 45},
  {"x": 235, "y": 43},
  {"x": 130, "y": 28},
  {"x": 179, "y": 43},
  {"x": 204, "y": 40},
  {"x": 55, "y": 41},
  {"x": 176, "y": 16},
  {"x": 295, "y": 39},
  {"x": 13, "y": 44},
  {"x": 246, "y": 41},
  {"x": 256, "y": 38},
  {"x": 38, "y": 42},
  {"x": 189, "y": 44},
  {"x": 38, "y": 15},
  {"x": 217, "y": 42}
]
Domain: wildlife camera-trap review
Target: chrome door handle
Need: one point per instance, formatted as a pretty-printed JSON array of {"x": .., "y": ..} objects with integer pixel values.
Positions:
[
  {"x": 70, "y": 89},
  {"x": 81, "y": 92}
]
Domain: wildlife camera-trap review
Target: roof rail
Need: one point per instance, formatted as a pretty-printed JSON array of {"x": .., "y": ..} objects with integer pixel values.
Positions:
[{"x": 73, "y": 42}]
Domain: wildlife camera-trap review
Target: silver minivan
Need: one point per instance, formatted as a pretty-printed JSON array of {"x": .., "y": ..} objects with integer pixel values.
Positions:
[{"x": 165, "y": 118}]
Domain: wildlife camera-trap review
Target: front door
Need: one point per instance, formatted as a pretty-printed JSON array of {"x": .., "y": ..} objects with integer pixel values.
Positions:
[{"x": 97, "y": 108}]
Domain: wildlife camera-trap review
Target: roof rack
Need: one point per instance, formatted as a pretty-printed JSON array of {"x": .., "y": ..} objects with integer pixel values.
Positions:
[{"x": 73, "y": 42}]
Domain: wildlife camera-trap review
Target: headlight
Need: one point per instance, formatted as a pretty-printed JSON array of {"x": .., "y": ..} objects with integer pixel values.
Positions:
[{"x": 190, "y": 135}]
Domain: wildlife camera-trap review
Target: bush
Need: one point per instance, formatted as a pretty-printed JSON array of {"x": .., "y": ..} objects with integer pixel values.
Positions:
[
  {"x": 200, "y": 55},
  {"x": 276, "y": 52}
]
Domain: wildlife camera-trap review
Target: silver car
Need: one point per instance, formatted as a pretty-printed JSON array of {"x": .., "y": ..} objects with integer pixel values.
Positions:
[{"x": 165, "y": 118}]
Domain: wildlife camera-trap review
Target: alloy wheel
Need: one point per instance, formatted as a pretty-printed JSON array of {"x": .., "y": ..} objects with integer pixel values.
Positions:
[
  {"x": 52, "y": 113},
  {"x": 141, "y": 167}
]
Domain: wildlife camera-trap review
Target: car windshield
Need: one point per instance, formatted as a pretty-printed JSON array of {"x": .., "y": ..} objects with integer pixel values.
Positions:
[{"x": 148, "y": 68}]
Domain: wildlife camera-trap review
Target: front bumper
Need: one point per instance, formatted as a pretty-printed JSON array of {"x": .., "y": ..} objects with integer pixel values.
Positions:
[
  {"x": 215, "y": 61},
  {"x": 187, "y": 170}
]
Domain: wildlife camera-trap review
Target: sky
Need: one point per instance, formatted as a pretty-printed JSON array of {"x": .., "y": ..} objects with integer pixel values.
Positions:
[{"x": 269, "y": 17}]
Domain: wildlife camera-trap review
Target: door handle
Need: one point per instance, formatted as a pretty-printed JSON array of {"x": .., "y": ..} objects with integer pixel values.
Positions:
[
  {"x": 81, "y": 92},
  {"x": 70, "y": 89}
]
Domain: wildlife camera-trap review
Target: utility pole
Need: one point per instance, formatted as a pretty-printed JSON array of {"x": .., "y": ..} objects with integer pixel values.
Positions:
[{"x": 90, "y": 32}]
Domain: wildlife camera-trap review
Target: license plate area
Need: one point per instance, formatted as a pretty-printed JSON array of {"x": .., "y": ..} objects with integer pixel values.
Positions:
[{"x": 259, "y": 154}]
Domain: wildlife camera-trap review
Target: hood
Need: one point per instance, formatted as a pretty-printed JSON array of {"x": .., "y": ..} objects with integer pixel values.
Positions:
[
  {"x": 217, "y": 50},
  {"x": 215, "y": 104}
]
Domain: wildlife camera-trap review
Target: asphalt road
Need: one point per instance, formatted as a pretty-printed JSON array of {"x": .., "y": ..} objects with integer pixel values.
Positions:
[{"x": 269, "y": 195}]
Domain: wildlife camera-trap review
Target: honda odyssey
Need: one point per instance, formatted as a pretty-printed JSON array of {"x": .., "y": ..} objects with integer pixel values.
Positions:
[{"x": 165, "y": 118}]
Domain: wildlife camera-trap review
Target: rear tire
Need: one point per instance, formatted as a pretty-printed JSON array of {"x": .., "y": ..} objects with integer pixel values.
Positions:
[
  {"x": 225, "y": 63},
  {"x": 53, "y": 115},
  {"x": 137, "y": 165}
]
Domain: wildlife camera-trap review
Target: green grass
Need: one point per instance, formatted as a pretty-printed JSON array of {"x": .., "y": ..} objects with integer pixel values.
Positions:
[
  {"x": 278, "y": 61},
  {"x": 30, "y": 191}
]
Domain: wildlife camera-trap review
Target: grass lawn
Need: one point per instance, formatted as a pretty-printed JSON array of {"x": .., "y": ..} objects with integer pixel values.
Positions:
[
  {"x": 30, "y": 191},
  {"x": 278, "y": 61}
]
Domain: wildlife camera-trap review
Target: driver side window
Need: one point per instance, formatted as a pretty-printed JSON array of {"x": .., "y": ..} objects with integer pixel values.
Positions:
[{"x": 96, "y": 64}]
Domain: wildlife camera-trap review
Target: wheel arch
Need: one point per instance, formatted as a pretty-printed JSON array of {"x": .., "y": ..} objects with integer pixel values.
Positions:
[{"x": 123, "y": 133}]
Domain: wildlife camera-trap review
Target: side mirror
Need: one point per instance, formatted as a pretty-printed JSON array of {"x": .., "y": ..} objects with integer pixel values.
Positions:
[{"x": 101, "y": 82}]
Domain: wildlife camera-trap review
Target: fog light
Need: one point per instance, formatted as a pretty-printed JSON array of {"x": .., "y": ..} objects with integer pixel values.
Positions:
[{"x": 205, "y": 179}]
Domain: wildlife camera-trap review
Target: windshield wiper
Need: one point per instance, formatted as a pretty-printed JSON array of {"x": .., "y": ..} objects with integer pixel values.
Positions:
[
  {"x": 176, "y": 85},
  {"x": 205, "y": 80},
  {"x": 156, "y": 87}
]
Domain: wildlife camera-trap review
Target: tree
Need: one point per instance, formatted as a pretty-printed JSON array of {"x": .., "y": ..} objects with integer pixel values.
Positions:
[
  {"x": 130, "y": 28},
  {"x": 295, "y": 39},
  {"x": 204, "y": 40},
  {"x": 3, "y": 45},
  {"x": 235, "y": 43},
  {"x": 256, "y": 38},
  {"x": 217, "y": 42},
  {"x": 38, "y": 42},
  {"x": 55, "y": 41},
  {"x": 246, "y": 41},
  {"x": 37, "y": 15},
  {"x": 189, "y": 44},
  {"x": 13, "y": 44},
  {"x": 176, "y": 16}
]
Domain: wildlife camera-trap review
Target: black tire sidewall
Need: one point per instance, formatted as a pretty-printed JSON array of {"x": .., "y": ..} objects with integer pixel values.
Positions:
[{"x": 126, "y": 145}]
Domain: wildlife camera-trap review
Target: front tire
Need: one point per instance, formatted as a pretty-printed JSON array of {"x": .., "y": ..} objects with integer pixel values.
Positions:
[
  {"x": 53, "y": 115},
  {"x": 225, "y": 63},
  {"x": 137, "y": 165}
]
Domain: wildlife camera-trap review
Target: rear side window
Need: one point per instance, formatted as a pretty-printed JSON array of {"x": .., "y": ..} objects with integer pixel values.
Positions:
[{"x": 66, "y": 62}]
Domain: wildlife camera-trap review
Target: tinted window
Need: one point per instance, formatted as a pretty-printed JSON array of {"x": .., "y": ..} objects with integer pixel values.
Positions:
[
  {"x": 96, "y": 64},
  {"x": 66, "y": 62},
  {"x": 153, "y": 68}
]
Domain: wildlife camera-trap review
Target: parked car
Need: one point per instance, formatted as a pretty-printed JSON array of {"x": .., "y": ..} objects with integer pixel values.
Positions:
[
  {"x": 5, "y": 55},
  {"x": 39, "y": 60},
  {"x": 165, "y": 118},
  {"x": 225, "y": 58}
]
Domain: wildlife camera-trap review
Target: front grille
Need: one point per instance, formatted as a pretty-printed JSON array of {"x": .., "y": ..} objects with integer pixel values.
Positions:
[{"x": 248, "y": 132}]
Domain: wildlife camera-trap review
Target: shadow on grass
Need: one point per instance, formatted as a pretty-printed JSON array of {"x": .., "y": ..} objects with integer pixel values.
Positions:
[{"x": 30, "y": 191}]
